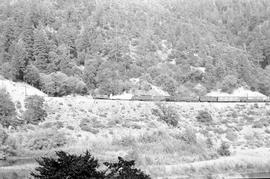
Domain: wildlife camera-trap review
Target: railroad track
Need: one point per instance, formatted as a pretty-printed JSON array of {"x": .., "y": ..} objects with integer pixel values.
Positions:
[{"x": 212, "y": 99}]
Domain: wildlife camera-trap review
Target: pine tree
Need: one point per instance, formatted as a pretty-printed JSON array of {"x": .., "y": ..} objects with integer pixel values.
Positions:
[
  {"x": 28, "y": 38},
  {"x": 8, "y": 40},
  {"x": 41, "y": 50},
  {"x": 19, "y": 61}
]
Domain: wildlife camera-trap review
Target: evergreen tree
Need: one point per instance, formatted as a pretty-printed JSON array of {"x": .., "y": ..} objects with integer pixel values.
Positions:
[
  {"x": 41, "y": 50},
  {"x": 28, "y": 38},
  {"x": 7, "y": 41},
  {"x": 32, "y": 76},
  {"x": 34, "y": 109},
  {"x": 7, "y": 110},
  {"x": 19, "y": 61}
]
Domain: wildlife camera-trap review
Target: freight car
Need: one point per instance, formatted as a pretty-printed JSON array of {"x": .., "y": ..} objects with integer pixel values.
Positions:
[
  {"x": 187, "y": 99},
  {"x": 255, "y": 99},
  {"x": 159, "y": 98},
  {"x": 99, "y": 96},
  {"x": 208, "y": 99},
  {"x": 190, "y": 98},
  {"x": 141, "y": 98},
  {"x": 229, "y": 99}
]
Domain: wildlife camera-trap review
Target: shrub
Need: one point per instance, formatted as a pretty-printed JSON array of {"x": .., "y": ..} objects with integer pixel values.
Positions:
[
  {"x": 7, "y": 145},
  {"x": 166, "y": 114},
  {"x": 84, "y": 167},
  {"x": 229, "y": 83},
  {"x": 81, "y": 88},
  {"x": 204, "y": 117},
  {"x": 7, "y": 110},
  {"x": 125, "y": 141},
  {"x": 85, "y": 125},
  {"x": 231, "y": 135},
  {"x": 124, "y": 169},
  {"x": 260, "y": 123},
  {"x": 59, "y": 84},
  {"x": 224, "y": 149},
  {"x": 32, "y": 76},
  {"x": 6, "y": 70},
  {"x": 68, "y": 166},
  {"x": 70, "y": 127},
  {"x": 18, "y": 105},
  {"x": 189, "y": 136},
  {"x": 44, "y": 140},
  {"x": 47, "y": 84},
  {"x": 167, "y": 83},
  {"x": 34, "y": 109}
]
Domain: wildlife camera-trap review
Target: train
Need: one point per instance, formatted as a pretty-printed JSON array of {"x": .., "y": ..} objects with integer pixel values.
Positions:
[{"x": 189, "y": 98}]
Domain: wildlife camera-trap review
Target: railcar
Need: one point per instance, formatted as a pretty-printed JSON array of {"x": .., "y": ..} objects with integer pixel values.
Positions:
[
  {"x": 243, "y": 99},
  {"x": 187, "y": 99},
  {"x": 229, "y": 99},
  {"x": 208, "y": 99},
  {"x": 171, "y": 98},
  {"x": 98, "y": 96},
  {"x": 142, "y": 98},
  {"x": 159, "y": 98},
  {"x": 255, "y": 99}
]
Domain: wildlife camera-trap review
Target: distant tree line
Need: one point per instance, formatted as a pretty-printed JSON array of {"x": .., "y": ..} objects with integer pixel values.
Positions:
[{"x": 64, "y": 47}]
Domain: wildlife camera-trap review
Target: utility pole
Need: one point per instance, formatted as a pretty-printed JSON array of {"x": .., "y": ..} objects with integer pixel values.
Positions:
[{"x": 25, "y": 94}]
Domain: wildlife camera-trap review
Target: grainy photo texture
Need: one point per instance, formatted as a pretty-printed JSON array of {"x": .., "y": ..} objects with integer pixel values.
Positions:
[{"x": 134, "y": 89}]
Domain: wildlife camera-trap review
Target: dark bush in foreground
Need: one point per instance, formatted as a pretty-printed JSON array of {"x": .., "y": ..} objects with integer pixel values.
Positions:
[
  {"x": 68, "y": 166},
  {"x": 85, "y": 167},
  {"x": 166, "y": 114},
  {"x": 124, "y": 170}
]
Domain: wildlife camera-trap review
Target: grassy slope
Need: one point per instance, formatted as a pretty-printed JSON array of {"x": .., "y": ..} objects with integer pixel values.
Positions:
[{"x": 123, "y": 128}]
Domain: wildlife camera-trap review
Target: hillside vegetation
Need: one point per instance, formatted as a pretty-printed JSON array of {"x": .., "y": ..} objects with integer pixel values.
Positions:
[
  {"x": 165, "y": 139},
  {"x": 86, "y": 46}
]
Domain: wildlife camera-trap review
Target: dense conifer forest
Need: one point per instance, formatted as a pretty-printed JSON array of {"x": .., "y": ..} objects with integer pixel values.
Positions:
[{"x": 87, "y": 46}]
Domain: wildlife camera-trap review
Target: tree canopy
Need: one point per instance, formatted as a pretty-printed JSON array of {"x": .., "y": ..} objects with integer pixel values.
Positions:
[{"x": 106, "y": 43}]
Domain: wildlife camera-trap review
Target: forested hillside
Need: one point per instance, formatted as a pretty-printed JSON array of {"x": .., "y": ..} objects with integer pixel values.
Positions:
[{"x": 86, "y": 46}]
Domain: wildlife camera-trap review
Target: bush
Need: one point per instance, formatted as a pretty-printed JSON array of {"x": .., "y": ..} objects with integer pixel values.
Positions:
[
  {"x": 6, "y": 70},
  {"x": 166, "y": 114},
  {"x": 204, "y": 117},
  {"x": 231, "y": 135},
  {"x": 68, "y": 166},
  {"x": 32, "y": 76},
  {"x": 45, "y": 140},
  {"x": 125, "y": 141},
  {"x": 260, "y": 123},
  {"x": 124, "y": 170},
  {"x": 224, "y": 149},
  {"x": 189, "y": 136},
  {"x": 85, "y": 125},
  {"x": 7, "y": 145},
  {"x": 59, "y": 84},
  {"x": 85, "y": 167},
  {"x": 34, "y": 110},
  {"x": 229, "y": 83},
  {"x": 81, "y": 88},
  {"x": 113, "y": 87},
  {"x": 167, "y": 83},
  {"x": 7, "y": 110}
]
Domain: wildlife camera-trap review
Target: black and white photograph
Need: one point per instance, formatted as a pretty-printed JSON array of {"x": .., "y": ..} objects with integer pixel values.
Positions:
[{"x": 134, "y": 89}]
